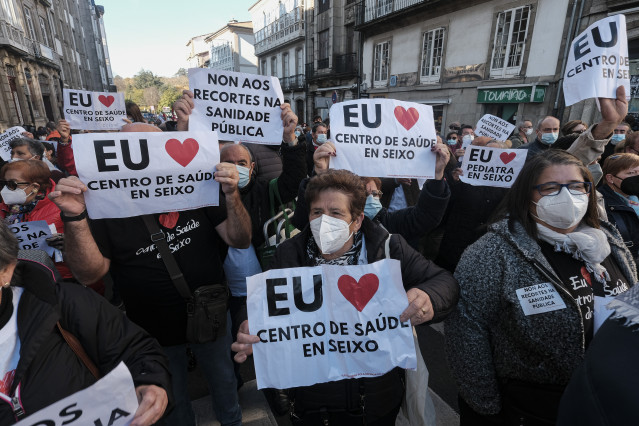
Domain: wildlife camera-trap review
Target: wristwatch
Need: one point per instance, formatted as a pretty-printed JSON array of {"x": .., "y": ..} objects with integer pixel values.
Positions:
[{"x": 66, "y": 218}]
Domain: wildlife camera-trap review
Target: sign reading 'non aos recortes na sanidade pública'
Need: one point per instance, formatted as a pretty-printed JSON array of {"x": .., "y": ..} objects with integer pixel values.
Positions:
[
  {"x": 328, "y": 322},
  {"x": 384, "y": 138},
  {"x": 131, "y": 174},
  {"x": 238, "y": 106},
  {"x": 5, "y": 140}
]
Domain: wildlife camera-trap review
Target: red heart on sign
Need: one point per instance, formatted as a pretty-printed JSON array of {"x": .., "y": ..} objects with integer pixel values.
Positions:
[
  {"x": 586, "y": 275},
  {"x": 406, "y": 118},
  {"x": 182, "y": 152},
  {"x": 169, "y": 220},
  {"x": 106, "y": 100},
  {"x": 359, "y": 293},
  {"x": 507, "y": 158}
]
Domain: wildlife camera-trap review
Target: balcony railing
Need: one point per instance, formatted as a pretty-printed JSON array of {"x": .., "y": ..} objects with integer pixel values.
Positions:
[
  {"x": 370, "y": 10},
  {"x": 13, "y": 36},
  {"x": 293, "y": 82},
  {"x": 222, "y": 56},
  {"x": 342, "y": 66},
  {"x": 289, "y": 27}
]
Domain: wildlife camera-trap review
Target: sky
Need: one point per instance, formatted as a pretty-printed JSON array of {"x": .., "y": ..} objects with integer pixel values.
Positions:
[{"x": 153, "y": 34}]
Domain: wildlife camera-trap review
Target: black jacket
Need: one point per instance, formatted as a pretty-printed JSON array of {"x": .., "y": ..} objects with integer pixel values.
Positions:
[
  {"x": 48, "y": 370},
  {"x": 468, "y": 213},
  {"x": 255, "y": 196},
  {"x": 623, "y": 217},
  {"x": 417, "y": 271},
  {"x": 412, "y": 223},
  {"x": 268, "y": 160},
  {"x": 382, "y": 394}
]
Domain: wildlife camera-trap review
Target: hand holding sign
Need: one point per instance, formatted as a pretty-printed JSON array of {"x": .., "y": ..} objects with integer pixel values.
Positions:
[
  {"x": 69, "y": 196},
  {"x": 153, "y": 401},
  {"x": 613, "y": 112},
  {"x": 322, "y": 157},
  {"x": 289, "y": 120},
  {"x": 443, "y": 155},
  {"x": 183, "y": 108},
  {"x": 420, "y": 308},
  {"x": 226, "y": 174},
  {"x": 64, "y": 128}
]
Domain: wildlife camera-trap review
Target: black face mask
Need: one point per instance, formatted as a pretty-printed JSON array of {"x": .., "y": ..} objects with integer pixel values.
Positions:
[{"x": 630, "y": 185}]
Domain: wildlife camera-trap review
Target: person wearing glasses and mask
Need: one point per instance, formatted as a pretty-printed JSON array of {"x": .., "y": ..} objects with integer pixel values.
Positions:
[
  {"x": 341, "y": 234},
  {"x": 620, "y": 191},
  {"x": 24, "y": 189},
  {"x": 534, "y": 291}
]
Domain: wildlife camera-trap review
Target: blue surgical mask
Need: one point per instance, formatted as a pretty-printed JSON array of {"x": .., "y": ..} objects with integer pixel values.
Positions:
[
  {"x": 617, "y": 137},
  {"x": 451, "y": 142},
  {"x": 297, "y": 133},
  {"x": 321, "y": 138},
  {"x": 372, "y": 207},
  {"x": 549, "y": 138},
  {"x": 245, "y": 176}
]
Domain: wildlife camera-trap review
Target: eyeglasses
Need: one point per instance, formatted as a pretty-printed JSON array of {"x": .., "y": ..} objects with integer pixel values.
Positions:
[
  {"x": 376, "y": 194},
  {"x": 12, "y": 184},
  {"x": 554, "y": 188}
]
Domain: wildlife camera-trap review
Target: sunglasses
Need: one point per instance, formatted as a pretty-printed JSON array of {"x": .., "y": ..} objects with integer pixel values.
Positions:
[{"x": 12, "y": 184}]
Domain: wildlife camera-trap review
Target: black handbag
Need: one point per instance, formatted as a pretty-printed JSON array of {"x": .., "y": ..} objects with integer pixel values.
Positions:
[{"x": 206, "y": 307}]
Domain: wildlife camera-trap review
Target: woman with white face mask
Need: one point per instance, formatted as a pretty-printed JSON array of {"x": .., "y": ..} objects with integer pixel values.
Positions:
[
  {"x": 534, "y": 291},
  {"x": 340, "y": 234},
  {"x": 24, "y": 186}
]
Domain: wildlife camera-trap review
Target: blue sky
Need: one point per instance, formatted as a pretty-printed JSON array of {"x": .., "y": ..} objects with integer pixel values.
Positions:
[{"x": 153, "y": 34}]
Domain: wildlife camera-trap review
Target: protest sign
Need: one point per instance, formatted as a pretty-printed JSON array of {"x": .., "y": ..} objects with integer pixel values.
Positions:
[
  {"x": 494, "y": 127},
  {"x": 11, "y": 134},
  {"x": 237, "y": 106},
  {"x": 86, "y": 110},
  {"x": 327, "y": 323},
  {"x": 32, "y": 235},
  {"x": 110, "y": 401},
  {"x": 131, "y": 174},
  {"x": 384, "y": 138},
  {"x": 598, "y": 62},
  {"x": 485, "y": 166}
]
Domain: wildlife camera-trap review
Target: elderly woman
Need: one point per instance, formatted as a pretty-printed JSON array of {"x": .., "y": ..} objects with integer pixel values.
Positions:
[
  {"x": 39, "y": 367},
  {"x": 620, "y": 191},
  {"x": 24, "y": 186},
  {"x": 533, "y": 294},
  {"x": 336, "y": 199}
]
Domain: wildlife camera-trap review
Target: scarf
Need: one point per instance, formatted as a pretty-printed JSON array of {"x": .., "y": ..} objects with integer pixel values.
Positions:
[
  {"x": 18, "y": 212},
  {"x": 585, "y": 243},
  {"x": 349, "y": 258}
]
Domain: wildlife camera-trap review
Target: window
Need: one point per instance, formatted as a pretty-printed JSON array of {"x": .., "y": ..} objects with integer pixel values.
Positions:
[
  {"x": 323, "y": 6},
  {"x": 510, "y": 39},
  {"x": 9, "y": 11},
  {"x": 285, "y": 70},
  {"x": 27, "y": 17},
  {"x": 43, "y": 30},
  {"x": 324, "y": 49},
  {"x": 432, "y": 50},
  {"x": 299, "y": 54},
  {"x": 263, "y": 72},
  {"x": 381, "y": 64},
  {"x": 274, "y": 66}
]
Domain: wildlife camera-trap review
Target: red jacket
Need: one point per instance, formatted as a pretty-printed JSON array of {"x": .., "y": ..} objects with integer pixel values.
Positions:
[
  {"x": 64, "y": 153},
  {"x": 45, "y": 210}
]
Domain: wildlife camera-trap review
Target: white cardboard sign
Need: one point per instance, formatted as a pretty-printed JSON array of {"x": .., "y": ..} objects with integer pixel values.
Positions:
[
  {"x": 131, "y": 174},
  {"x": 11, "y": 134},
  {"x": 238, "y": 106},
  {"x": 539, "y": 298},
  {"x": 598, "y": 62},
  {"x": 485, "y": 166},
  {"x": 110, "y": 401},
  {"x": 326, "y": 323},
  {"x": 384, "y": 138},
  {"x": 32, "y": 235},
  {"x": 87, "y": 110},
  {"x": 494, "y": 127}
]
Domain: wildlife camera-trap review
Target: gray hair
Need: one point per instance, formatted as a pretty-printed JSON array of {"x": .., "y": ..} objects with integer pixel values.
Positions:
[
  {"x": 544, "y": 119},
  {"x": 8, "y": 246},
  {"x": 35, "y": 147}
]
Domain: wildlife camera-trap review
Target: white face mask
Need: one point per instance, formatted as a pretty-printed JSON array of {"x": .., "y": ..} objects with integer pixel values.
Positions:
[
  {"x": 330, "y": 233},
  {"x": 529, "y": 132},
  {"x": 468, "y": 138},
  {"x": 17, "y": 196},
  {"x": 563, "y": 210},
  {"x": 14, "y": 159}
]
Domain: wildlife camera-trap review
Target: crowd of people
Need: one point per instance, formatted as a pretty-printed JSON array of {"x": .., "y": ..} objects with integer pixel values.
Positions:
[{"x": 475, "y": 257}]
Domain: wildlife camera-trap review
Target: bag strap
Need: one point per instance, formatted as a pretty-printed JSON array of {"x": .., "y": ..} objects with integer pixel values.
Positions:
[
  {"x": 159, "y": 239},
  {"x": 274, "y": 195},
  {"x": 387, "y": 247},
  {"x": 77, "y": 348}
]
